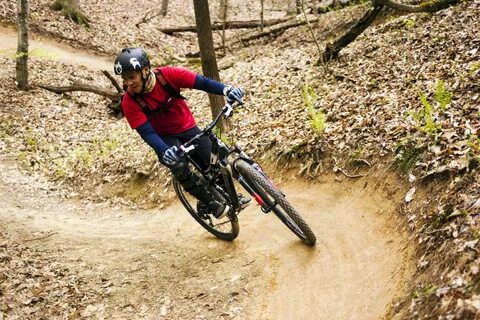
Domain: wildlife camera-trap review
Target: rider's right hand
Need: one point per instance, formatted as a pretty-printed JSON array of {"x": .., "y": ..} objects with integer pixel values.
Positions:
[{"x": 170, "y": 156}]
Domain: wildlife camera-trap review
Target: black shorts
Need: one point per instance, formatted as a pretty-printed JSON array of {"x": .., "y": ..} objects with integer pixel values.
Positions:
[{"x": 203, "y": 147}]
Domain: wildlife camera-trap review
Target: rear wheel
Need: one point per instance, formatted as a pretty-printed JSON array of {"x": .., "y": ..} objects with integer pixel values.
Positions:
[
  {"x": 275, "y": 200},
  {"x": 226, "y": 228}
]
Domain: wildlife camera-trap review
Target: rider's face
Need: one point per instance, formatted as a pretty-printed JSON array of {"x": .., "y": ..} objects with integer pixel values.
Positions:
[{"x": 133, "y": 80}]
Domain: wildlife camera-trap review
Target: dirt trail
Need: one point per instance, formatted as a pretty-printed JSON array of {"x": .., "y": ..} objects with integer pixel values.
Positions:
[
  {"x": 159, "y": 264},
  {"x": 356, "y": 269},
  {"x": 46, "y": 48}
]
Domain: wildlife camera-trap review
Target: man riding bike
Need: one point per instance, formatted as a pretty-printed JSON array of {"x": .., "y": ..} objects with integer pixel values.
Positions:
[{"x": 154, "y": 108}]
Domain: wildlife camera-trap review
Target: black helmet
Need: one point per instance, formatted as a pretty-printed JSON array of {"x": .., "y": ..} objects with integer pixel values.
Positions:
[{"x": 131, "y": 59}]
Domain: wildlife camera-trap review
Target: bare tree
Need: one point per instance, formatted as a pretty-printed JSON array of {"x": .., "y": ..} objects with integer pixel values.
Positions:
[
  {"x": 224, "y": 24},
  {"x": 310, "y": 27},
  {"x": 222, "y": 8},
  {"x": 22, "y": 47},
  {"x": 207, "y": 52},
  {"x": 71, "y": 10},
  {"x": 261, "y": 14},
  {"x": 164, "y": 8},
  {"x": 298, "y": 6}
]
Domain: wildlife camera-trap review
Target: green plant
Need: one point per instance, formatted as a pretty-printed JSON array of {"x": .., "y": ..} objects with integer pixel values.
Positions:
[
  {"x": 30, "y": 141},
  {"x": 22, "y": 156},
  {"x": 37, "y": 52},
  {"x": 442, "y": 96},
  {"x": 229, "y": 140},
  {"x": 42, "y": 53},
  {"x": 105, "y": 147},
  {"x": 80, "y": 155},
  {"x": 474, "y": 68},
  {"x": 59, "y": 168},
  {"x": 6, "y": 127},
  {"x": 425, "y": 118},
  {"x": 317, "y": 117},
  {"x": 409, "y": 23}
]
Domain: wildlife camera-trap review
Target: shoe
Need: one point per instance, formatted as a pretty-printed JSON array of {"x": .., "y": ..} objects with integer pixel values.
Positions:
[
  {"x": 202, "y": 208},
  {"x": 243, "y": 201},
  {"x": 219, "y": 210}
]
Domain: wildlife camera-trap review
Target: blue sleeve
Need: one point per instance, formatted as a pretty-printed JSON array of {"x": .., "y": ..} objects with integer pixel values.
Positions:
[
  {"x": 148, "y": 134},
  {"x": 208, "y": 85}
]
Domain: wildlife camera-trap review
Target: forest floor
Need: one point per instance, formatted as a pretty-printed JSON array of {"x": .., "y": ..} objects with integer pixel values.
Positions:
[{"x": 90, "y": 227}]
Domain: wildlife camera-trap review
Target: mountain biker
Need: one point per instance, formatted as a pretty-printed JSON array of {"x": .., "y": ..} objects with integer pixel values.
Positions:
[{"x": 154, "y": 108}]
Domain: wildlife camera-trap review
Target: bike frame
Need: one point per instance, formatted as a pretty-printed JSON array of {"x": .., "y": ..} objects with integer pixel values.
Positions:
[{"x": 226, "y": 157}]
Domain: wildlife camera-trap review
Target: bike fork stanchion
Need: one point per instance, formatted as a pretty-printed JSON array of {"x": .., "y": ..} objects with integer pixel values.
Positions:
[{"x": 265, "y": 206}]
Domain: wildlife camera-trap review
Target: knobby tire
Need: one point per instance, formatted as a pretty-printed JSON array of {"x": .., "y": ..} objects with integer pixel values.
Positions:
[
  {"x": 283, "y": 209},
  {"x": 210, "y": 224}
]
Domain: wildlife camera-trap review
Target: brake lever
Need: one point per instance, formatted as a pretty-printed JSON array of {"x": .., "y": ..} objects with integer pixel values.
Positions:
[
  {"x": 186, "y": 150},
  {"x": 228, "y": 110}
]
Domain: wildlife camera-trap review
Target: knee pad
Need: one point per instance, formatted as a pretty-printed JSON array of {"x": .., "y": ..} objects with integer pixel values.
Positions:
[{"x": 184, "y": 175}]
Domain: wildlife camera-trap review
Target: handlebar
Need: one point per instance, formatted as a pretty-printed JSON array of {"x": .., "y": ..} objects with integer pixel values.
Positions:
[{"x": 226, "y": 111}]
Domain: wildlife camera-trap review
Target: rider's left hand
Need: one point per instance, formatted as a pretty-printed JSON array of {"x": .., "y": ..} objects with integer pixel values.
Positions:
[{"x": 234, "y": 94}]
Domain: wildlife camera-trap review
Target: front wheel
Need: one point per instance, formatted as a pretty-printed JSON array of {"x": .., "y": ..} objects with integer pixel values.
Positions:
[
  {"x": 226, "y": 228},
  {"x": 273, "y": 199}
]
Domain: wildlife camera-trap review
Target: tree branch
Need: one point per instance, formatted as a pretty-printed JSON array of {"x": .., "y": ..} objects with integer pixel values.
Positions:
[
  {"x": 114, "y": 96},
  {"x": 113, "y": 81}
]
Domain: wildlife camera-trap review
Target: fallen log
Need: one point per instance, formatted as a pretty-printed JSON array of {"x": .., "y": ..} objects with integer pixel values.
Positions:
[
  {"x": 228, "y": 25},
  {"x": 272, "y": 31},
  {"x": 332, "y": 49}
]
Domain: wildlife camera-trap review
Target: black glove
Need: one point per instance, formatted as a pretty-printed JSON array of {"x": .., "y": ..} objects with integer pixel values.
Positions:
[
  {"x": 170, "y": 156},
  {"x": 233, "y": 94}
]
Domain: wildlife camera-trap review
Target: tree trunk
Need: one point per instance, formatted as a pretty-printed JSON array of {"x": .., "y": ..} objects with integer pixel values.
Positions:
[
  {"x": 310, "y": 28},
  {"x": 163, "y": 10},
  {"x": 224, "y": 23},
  {"x": 71, "y": 10},
  {"x": 298, "y": 6},
  {"x": 261, "y": 15},
  {"x": 115, "y": 97},
  {"x": 207, "y": 53},
  {"x": 222, "y": 9},
  {"x": 22, "y": 47},
  {"x": 332, "y": 49}
]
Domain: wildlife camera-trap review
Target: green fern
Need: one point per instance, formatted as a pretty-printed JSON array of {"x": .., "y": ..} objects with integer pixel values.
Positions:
[
  {"x": 429, "y": 126},
  {"x": 442, "y": 96},
  {"x": 317, "y": 118}
]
